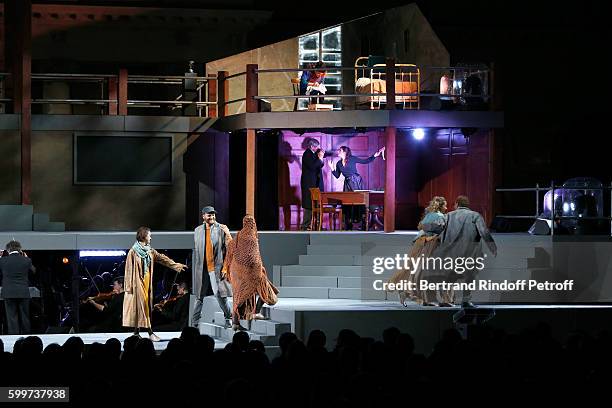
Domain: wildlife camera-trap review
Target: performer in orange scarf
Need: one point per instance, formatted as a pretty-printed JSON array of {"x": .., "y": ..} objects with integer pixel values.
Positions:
[{"x": 248, "y": 276}]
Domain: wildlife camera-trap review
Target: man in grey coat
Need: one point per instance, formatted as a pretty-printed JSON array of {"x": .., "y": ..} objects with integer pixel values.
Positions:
[
  {"x": 463, "y": 236},
  {"x": 211, "y": 239}
]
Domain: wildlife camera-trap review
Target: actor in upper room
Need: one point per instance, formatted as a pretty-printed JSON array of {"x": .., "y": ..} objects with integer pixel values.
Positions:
[
  {"x": 210, "y": 246},
  {"x": 138, "y": 282},
  {"x": 312, "y": 177},
  {"x": 311, "y": 82},
  {"x": 248, "y": 276},
  {"x": 347, "y": 167},
  {"x": 424, "y": 244},
  {"x": 463, "y": 236}
]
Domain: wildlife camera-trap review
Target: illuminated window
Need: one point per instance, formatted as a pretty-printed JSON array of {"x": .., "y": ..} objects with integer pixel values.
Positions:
[{"x": 324, "y": 45}]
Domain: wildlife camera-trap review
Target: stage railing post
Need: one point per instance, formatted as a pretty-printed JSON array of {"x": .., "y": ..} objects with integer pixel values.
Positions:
[
  {"x": 122, "y": 92},
  {"x": 389, "y": 218},
  {"x": 390, "y": 83},
  {"x": 252, "y": 105},
  {"x": 211, "y": 96},
  {"x": 252, "y": 85},
  {"x": 222, "y": 93}
]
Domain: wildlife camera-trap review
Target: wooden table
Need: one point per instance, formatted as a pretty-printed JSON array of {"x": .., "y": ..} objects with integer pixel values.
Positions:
[{"x": 358, "y": 197}]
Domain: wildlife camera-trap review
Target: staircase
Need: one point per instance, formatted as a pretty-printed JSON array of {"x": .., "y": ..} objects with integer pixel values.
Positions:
[
  {"x": 23, "y": 218},
  {"x": 339, "y": 266},
  {"x": 268, "y": 331}
]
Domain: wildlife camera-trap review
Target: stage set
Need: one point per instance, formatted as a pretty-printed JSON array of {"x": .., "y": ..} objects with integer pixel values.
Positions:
[
  {"x": 323, "y": 276},
  {"x": 234, "y": 138}
]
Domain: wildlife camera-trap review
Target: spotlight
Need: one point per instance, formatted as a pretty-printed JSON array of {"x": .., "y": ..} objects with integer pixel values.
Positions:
[
  {"x": 83, "y": 254},
  {"x": 418, "y": 133},
  {"x": 65, "y": 260}
]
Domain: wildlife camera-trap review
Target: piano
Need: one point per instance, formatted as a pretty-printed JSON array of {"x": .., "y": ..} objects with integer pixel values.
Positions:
[
  {"x": 357, "y": 197},
  {"x": 34, "y": 292}
]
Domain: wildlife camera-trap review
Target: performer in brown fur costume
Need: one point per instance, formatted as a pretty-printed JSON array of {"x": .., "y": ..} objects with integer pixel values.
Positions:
[{"x": 248, "y": 276}]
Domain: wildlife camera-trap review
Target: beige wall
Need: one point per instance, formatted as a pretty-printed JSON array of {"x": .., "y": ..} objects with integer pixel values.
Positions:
[
  {"x": 84, "y": 207},
  {"x": 283, "y": 54},
  {"x": 424, "y": 48}
]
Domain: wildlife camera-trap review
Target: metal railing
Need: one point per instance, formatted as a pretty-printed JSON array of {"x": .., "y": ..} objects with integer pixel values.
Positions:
[
  {"x": 108, "y": 94},
  {"x": 456, "y": 94},
  {"x": 553, "y": 212}
]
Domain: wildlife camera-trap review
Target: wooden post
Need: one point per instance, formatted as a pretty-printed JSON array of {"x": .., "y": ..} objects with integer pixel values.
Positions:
[
  {"x": 222, "y": 93},
  {"x": 390, "y": 138},
  {"x": 390, "y": 84},
  {"x": 113, "y": 84},
  {"x": 211, "y": 96},
  {"x": 250, "y": 171},
  {"x": 251, "y": 107},
  {"x": 18, "y": 29},
  {"x": 252, "y": 86},
  {"x": 122, "y": 92}
]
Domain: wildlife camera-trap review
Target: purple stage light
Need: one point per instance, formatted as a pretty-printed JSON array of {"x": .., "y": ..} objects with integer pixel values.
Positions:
[{"x": 418, "y": 134}]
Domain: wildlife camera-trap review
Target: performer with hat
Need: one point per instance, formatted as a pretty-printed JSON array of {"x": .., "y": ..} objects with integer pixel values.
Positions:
[{"x": 211, "y": 241}]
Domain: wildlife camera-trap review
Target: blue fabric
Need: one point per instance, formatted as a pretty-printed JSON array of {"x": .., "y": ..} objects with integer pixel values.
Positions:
[{"x": 144, "y": 252}]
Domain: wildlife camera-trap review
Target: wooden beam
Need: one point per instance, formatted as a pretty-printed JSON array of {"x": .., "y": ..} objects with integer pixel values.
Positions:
[
  {"x": 250, "y": 172},
  {"x": 113, "y": 85},
  {"x": 222, "y": 93},
  {"x": 122, "y": 92},
  {"x": 390, "y": 83},
  {"x": 18, "y": 15},
  {"x": 252, "y": 86},
  {"x": 390, "y": 139},
  {"x": 211, "y": 96}
]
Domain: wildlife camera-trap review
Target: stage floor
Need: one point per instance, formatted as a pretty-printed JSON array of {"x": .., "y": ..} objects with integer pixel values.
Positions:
[
  {"x": 307, "y": 314},
  {"x": 302, "y": 304}
]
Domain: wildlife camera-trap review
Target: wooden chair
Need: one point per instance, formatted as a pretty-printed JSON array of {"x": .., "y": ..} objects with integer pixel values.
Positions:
[
  {"x": 318, "y": 209},
  {"x": 295, "y": 83}
]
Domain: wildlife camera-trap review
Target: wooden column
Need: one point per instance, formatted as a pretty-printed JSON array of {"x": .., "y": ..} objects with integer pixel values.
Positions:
[
  {"x": 113, "y": 84},
  {"x": 251, "y": 107},
  {"x": 18, "y": 29},
  {"x": 211, "y": 96},
  {"x": 390, "y": 83},
  {"x": 222, "y": 93},
  {"x": 252, "y": 85},
  {"x": 390, "y": 139},
  {"x": 250, "y": 172},
  {"x": 122, "y": 92}
]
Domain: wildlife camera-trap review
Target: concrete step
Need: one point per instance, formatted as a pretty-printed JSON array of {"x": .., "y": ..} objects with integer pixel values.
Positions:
[
  {"x": 304, "y": 270},
  {"x": 311, "y": 281},
  {"x": 16, "y": 217},
  {"x": 55, "y": 226},
  {"x": 358, "y": 237},
  {"x": 269, "y": 327},
  {"x": 350, "y": 282},
  {"x": 40, "y": 221},
  {"x": 333, "y": 250},
  {"x": 303, "y": 292},
  {"x": 227, "y": 334},
  {"x": 346, "y": 293},
  {"x": 330, "y": 260}
]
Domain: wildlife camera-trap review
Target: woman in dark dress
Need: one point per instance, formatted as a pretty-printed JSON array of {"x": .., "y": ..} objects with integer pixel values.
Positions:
[{"x": 347, "y": 166}]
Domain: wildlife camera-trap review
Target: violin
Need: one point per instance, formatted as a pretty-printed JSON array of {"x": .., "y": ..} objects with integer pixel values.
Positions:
[
  {"x": 101, "y": 297},
  {"x": 163, "y": 303}
]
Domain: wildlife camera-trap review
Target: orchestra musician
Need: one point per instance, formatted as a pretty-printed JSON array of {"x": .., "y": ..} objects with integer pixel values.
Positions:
[
  {"x": 110, "y": 306},
  {"x": 173, "y": 313}
]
